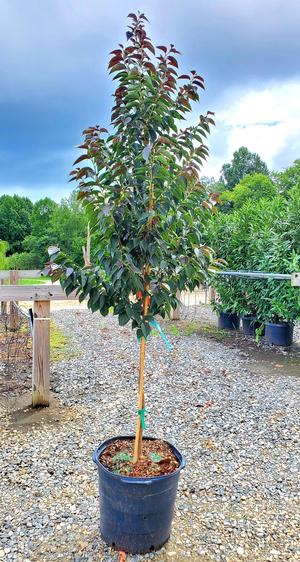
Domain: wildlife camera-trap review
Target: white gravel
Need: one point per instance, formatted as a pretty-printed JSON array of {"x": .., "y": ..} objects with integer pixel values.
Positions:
[{"x": 239, "y": 429}]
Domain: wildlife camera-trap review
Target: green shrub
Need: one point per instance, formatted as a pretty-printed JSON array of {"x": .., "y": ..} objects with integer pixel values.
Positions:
[
  {"x": 22, "y": 260},
  {"x": 262, "y": 236},
  {"x": 3, "y": 249}
]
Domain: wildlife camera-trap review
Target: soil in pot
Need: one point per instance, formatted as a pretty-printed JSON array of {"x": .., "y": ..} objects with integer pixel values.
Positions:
[{"x": 157, "y": 458}]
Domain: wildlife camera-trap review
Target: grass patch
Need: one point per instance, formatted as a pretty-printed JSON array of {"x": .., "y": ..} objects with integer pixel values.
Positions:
[
  {"x": 34, "y": 281},
  {"x": 215, "y": 332},
  {"x": 188, "y": 328},
  {"x": 174, "y": 330},
  {"x": 60, "y": 345}
]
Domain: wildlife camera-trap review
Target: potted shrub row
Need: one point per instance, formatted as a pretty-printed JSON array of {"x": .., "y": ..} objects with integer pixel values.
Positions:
[
  {"x": 258, "y": 236},
  {"x": 139, "y": 182},
  {"x": 273, "y": 315}
]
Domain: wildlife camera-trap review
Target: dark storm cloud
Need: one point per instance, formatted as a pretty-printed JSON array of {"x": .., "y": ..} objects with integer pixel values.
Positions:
[{"x": 53, "y": 79}]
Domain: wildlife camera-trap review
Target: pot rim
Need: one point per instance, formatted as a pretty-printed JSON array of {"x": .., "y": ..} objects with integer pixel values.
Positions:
[
  {"x": 228, "y": 313},
  {"x": 137, "y": 479},
  {"x": 281, "y": 324}
]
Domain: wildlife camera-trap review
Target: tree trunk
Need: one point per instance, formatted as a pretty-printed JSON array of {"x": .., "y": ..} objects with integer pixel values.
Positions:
[
  {"x": 141, "y": 405},
  {"x": 141, "y": 401}
]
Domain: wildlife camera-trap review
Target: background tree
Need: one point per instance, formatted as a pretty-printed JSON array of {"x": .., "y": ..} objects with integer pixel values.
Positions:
[
  {"x": 261, "y": 235},
  {"x": 68, "y": 228},
  {"x": 63, "y": 224},
  {"x": 3, "y": 249},
  {"x": 251, "y": 188},
  {"x": 288, "y": 178},
  {"x": 211, "y": 184},
  {"x": 15, "y": 220},
  {"x": 243, "y": 163},
  {"x": 140, "y": 185},
  {"x": 42, "y": 216}
]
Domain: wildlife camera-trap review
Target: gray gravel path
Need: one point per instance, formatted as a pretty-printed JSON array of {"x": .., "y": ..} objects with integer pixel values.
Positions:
[{"x": 239, "y": 495}]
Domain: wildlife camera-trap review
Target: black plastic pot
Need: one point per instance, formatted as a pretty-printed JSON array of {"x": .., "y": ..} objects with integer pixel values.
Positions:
[
  {"x": 279, "y": 334},
  {"x": 250, "y": 325},
  {"x": 136, "y": 513},
  {"x": 228, "y": 321}
]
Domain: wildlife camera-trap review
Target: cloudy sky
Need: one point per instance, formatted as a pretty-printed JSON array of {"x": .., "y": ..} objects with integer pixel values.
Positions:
[{"x": 53, "y": 78}]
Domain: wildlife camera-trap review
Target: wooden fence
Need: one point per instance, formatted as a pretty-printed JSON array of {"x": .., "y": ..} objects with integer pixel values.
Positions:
[{"x": 41, "y": 297}]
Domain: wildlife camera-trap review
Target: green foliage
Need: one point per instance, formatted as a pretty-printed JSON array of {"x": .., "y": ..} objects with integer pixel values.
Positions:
[
  {"x": 251, "y": 188},
  {"x": 140, "y": 185},
  {"x": 3, "y": 250},
  {"x": 229, "y": 296},
  {"x": 42, "y": 216},
  {"x": 289, "y": 178},
  {"x": 261, "y": 236},
  {"x": 32, "y": 228},
  {"x": 64, "y": 225},
  {"x": 15, "y": 220},
  {"x": 20, "y": 260},
  {"x": 211, "y": 185},
  {"x": 293, "y": 204},
  {"x": 242, "y": 164},
  {"x": 68, "y": 228},
  {"x": 36, "y": 250}
]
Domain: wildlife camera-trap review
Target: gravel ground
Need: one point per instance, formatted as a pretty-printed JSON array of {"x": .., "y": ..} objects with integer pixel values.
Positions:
[{"x": 238, "y": 497}]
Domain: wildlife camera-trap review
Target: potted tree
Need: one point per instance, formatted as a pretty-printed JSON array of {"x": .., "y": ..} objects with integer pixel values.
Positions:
[
  {"x": 146, "y": 206},
  {"x": 227, "y": 302},
  {"x": 249, "y": 310},
  {"x": 275, "y": 250},
  {"x": 280, "y": 306}
]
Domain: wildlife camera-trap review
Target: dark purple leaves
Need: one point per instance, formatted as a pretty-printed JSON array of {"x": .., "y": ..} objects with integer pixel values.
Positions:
[
  {"x": 82, "y": 157},
  {"x": 132, "y": 16},
  {"x": 173, "y": 61},
  {"x": 162, "y": 48}
]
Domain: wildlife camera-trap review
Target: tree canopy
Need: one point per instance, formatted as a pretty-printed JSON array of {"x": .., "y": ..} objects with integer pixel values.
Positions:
[
  {"x": 288, "y": 178},
  {"x": 250, "y": 188},
  {"x": 140, "y": 184},
  {"x": 15, "y": 220},
  {"x": 242, "y": 164}
]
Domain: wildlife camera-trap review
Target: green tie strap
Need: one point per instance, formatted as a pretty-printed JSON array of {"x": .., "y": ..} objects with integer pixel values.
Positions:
[{"x": 141, "y": 413}]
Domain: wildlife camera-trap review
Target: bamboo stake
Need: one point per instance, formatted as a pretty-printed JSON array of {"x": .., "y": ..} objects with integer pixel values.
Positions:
[
  {"x": 146, "y": 301},
  {"x": 141, "y": 401}
]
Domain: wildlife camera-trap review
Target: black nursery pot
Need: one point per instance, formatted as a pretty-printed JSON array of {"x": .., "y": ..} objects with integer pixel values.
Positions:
[
  {"x": 250, "y": 325},
  {"x": 136, "y": 513},
  {"x": 228, "y": 321},
  {"x": 279, "y": 334}
]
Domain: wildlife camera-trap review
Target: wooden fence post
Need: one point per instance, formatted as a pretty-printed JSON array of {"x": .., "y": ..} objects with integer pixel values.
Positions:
[
  {"x": 3, "y": 303},
  {"x": 175, "y": 314},
  {"x": 41, "y": 353},
  {"x": 211, "y": 294},
  {"x": 13, "y": 312}
]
